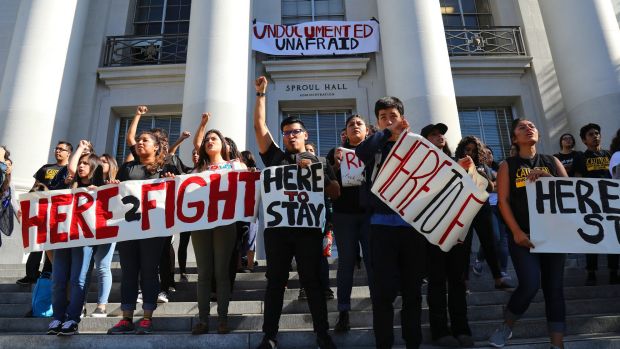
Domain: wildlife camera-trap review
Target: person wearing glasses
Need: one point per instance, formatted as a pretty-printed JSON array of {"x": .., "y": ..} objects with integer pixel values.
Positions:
[
  {"x": 567, "y": 153},
  {"x": 43, "y": 180},
  {"x": 282, "y": 244}
]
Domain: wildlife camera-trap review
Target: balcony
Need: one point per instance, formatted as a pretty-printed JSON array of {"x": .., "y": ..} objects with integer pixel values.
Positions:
[
  {"x": 490, "y": 41},
  {"x": 132, "y": 50}
]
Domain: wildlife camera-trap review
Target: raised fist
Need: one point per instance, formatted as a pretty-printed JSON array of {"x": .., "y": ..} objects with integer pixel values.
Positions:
[
  {"x": 142, "y": 109},
  {"x": 185, "y": 134},
  {"x": 205, "y": 117},
  {"x": 261, "y": 84}
]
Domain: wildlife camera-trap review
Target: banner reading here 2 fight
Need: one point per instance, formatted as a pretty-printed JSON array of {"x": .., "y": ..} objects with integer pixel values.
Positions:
[
  {"x": 137, "y": 209},
  {"x": 292, "y": 196},
  {"x": 574, "y": 215},
  {"x": 316, "y": 38},
  {"x": 429, "y": 190}
]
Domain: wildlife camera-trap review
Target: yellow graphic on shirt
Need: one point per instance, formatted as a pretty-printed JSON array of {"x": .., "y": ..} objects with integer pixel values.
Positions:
[
  {"x": 597, "y": 164},
  {"x": 51, "y": 173},
  {"x": 523, "y": 172}
]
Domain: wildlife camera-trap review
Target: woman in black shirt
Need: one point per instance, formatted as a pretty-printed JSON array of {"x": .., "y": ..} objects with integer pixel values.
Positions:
[{"x": 567, "y": 153}]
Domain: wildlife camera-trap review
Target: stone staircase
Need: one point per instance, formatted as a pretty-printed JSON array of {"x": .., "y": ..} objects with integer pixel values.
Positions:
[{"x": 593, "y": 316}]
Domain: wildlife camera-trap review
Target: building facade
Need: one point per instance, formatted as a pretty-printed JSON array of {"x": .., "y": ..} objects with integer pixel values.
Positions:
[{"x": 76, "y": 69}]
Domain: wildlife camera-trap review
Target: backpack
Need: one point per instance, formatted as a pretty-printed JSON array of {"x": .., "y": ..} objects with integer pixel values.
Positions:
[{"x": 42, "y": 297}]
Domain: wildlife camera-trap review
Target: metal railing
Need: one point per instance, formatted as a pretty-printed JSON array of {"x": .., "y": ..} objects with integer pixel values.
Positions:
[
  {"x": 490, "y": 41},
  {"x": 130, "y": 50}
]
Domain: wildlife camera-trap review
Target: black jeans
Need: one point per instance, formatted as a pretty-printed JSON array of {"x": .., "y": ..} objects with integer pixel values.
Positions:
[
  {"x": 182, "y": 252},
  {"x": 32, "y": 264},
  {"x": 483, "y": 223},
  {"x": 306, "y": 245},
  {"x": 592, "y": 262},
  {"x": 442, "y": 268},
  {"x": 166, "y": 265},
  {"x": 397, "y": 259}
]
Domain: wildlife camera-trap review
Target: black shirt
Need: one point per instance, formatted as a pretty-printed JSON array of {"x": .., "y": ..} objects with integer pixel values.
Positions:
[
  {"x": 518, "y": 170},
  {"x": 593, "y": 164},
  {"x": 134, "y": 170},
  {"x": 567, "y": 161},
  {"x": 47, "y": 173},
  {"x": 274, "y": 156}
]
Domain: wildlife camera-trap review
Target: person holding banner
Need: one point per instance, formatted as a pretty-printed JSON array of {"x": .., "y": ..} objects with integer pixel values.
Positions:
[
  {"x": 397, "y": 250},
  {"x": 533, "y": 269},
  {"x": 594, "y": 163},
  {"x": 284, "y": 243},
  {"x": 213, "y": 247},
  {"x": 351, "y": 224},
  {"x": 140, "y": 258}
]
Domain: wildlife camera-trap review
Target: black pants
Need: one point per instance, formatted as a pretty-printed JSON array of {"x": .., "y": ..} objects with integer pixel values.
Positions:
[
  {"x": 182, "y": 252},
  {"x": 306, "y": 245},
  {"x": 483, "y": 223},
  {"x": 442, "y": 268},
  {"x": 166, "y": 265},
  {"x": 397, "y": 259},
  {"x": 32, "y": 264},
  {"x": 592, "y": 262}
]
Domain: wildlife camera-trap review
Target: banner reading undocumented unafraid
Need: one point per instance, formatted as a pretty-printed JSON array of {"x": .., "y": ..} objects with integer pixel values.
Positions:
[
  {"x": 316, "y": 38},
  {"x": 574, "y": 215},
  {"x": 429, "y": 190},
  {"x": 137, "y": 209}
]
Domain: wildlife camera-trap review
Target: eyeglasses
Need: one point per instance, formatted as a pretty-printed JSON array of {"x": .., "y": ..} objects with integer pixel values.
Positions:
[
  {"x": 61, "y": 149},
  {"x": 294, "y": 132}
]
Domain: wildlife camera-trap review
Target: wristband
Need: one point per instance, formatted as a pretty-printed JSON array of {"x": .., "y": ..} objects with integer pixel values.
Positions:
[{"x": 260, "y": 94}]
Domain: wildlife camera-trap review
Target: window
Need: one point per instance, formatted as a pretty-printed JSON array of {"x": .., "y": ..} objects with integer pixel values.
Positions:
[
  {"x": 466, "y": 13},
  {"x": 491, "y": 125},
  {"x": 153, "y": 17},
  {"x": 172, "y": 124},
  {"x": 299, "y": 11},
  {"x": 323, "y": 127}
]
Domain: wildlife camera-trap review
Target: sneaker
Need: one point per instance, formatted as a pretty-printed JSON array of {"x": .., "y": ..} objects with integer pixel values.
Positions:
[
  {"x": 343, "y": 325},
  {"x": 69, "y": 328},
  {"x": 25, "y": 281},
  {"x": 183, "y": 278},
  {"x": 139, "y": 298},
  {"x": 171, "y": 290},
  {"x": 162, "y": 297},
  {"x": 145, "y": 326},
  {"x": 329, "y": 294},
  {"x": 122, "y": 327},
  {"x": 200, "y": 328},
  {"x": 447, "y": 341},
  {"x": 54, "y": 327},
  {"x": 267, "y": 343},
  {"x": 477, "y": 267},
  {"x": 302, "y": 295},
  {"x": 465, "y": 341},
  {"x": 325, "y": 342},
  {"x": 99, "y": 313},
  {"x": 83, "y": 313},
  {"x": 499, "y": 338},
  {"x": 591, "y": 280}
]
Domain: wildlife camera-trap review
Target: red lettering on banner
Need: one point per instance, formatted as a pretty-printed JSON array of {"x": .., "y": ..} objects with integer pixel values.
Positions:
[
  {"x": 77, "y": 220},
  {"x": 216, "y": 195},
  {"x": 291, "y": 195},
  {"x": 58, "y": 217},
  {"x": 250, "y": 179},
  {"x": 352, "y": 160},
  {"x": 401, "y": 164},
  {"x": 424, "y": 188},
  {"x": 455, "y": 221},
  {"x": 198, "y": 205},
  {"x": 39, "y": 221},
  {"x": 103, "y": 213},
  {"x": 169, "y": 211},
  {"x": 147, "y": 204}
]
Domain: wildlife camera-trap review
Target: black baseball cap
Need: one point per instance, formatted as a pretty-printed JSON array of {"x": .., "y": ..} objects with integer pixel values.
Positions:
[{"x": 426, "y": 130}]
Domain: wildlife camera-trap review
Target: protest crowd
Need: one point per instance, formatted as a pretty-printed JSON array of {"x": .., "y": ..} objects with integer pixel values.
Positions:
[{"x": 367, "y": 231}]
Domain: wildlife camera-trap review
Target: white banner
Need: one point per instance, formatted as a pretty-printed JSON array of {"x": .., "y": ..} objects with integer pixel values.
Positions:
[
  {"x": 293, "y": 196},
  {"x": 137, "y": 209},
  {"x": 351, "y": 168},
  {"x": 574, "y": 215},
  {"x": 429, "y": 190},
  {"x": 316, "y": 38}
]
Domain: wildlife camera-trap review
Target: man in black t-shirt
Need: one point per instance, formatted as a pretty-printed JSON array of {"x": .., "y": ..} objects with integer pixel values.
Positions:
[
  {"x": 43, "y": 180},
  {"x": 594, "y": 163},
  {"x": 282, "y": 244}
]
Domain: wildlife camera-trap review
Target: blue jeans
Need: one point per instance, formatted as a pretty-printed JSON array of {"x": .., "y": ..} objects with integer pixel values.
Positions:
[
  {"x": 102, "y": 260},
  {"x": 351, "y": 231},
  {"x": 533, "y": 271},
  {"x": 70, "y": 266}
]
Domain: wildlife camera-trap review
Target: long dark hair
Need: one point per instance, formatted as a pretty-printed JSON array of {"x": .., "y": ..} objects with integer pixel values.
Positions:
[
  {"x": 203, "y": 158},
  {"x": 113, "y": 165},
  {"x": 615, "y": 143},
  {"x": 479, "y": 157},
  {"x": 160, "y": 154},
  {"x": 248, "y": 159},
  {"x": 234, "y": 150},
  {"x": 95, "y": 176}
]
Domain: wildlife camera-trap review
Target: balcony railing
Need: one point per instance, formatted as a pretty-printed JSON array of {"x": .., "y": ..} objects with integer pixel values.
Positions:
[
  {"x": 145, "y": 49},
  {"x": 491, "y": 41}
]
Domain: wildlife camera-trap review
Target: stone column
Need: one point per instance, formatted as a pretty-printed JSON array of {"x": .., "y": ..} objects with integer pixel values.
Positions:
[
  {"x": 38, "y": 81},
  {"x": 417, "y": 65},
  {"x": 584, "y": 39},
  {"x": 216, "y": 75}
]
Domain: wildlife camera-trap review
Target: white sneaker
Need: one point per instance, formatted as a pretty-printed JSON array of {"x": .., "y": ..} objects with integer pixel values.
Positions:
[
  {"x": 499, "y": 338},
  {"x": 162, "y": 297},
  {"x": 139, "y": 299}
]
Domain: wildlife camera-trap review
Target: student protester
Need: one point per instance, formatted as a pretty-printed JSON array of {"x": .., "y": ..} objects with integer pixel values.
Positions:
[
  {"x": 397, "y": 250},
  {"x": 594, "y": 163},
  {"x": 185, "y": 236},
  {"x": 43, "y": 178},
  {"x": 567, "y": 153},
  {"x": 614, "y": 162},
  {"x": 443, "y": 268},
  {"x": 213, "y": 247},
  {"x": 140, "y": 258},
  {"x": 351, "y": 226},
  {"x": 533, "y": 269},
  {"x": 483, "y": 221},
  {"x": 282, "y": 244},
  {"x": 70, "y": 265}
]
